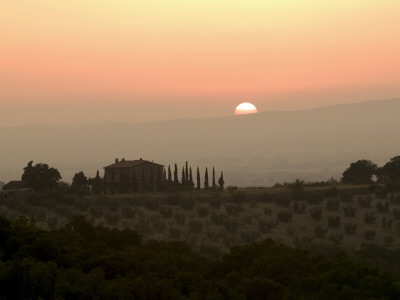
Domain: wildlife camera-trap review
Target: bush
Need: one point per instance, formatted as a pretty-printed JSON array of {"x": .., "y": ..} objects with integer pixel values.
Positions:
[
  {"x": 350, "y": 228},
  {"x": 314, "y": 199},
  {"x": 283, "y": 200},
  {"x": 364, "y": 202},
  {"x": 299, "y": 208},
  {"x": 180, "y": 219},
  {"x": 334, "y": 221},
  {"x": 370, "y": 234},
  {"x": 233, "y": 209},
  {"x": 152, "y": 204},
  {"x": 346, "y": 197},
  {"x": 395, "y": 199},
  {"x": 336, "y": 238},
  {"x": 127, "y": 212},
  {"x": 238, "y": 198},
  {"x": 369, "y": 218},
  {"x": 267, "y": 211},
  {"x": 349, "y": 211},
  {"x": 195, "y": 226},
  {"x": 249, "y": 236},
  {"x": 267, "y": 198},
  {"x": 231, "y": 225},
  {"x": 187, "y": 203},
  {"x": 331, "y": 192},
  {"x": 175, "y": 233},
  {"x": 202, "y": 211},
  {"x": 381, "y": 192},
  {"x": 291, "y": 231},
  {"x": 173, "y": 199},
  {"x": 112, "y": 218},
  {"x": 396, "y": 214},
  {"x": 166, "y": 212},
  {"x": 284, "y": 216},
  {"x": 382, "y": 207},
  {"x": 386, "y": 223},
  {"x": 215, "y": 203},
  {"x": 218, "y": 218},
  {"x": 333, "y": 204},
  {"x": 265, "y": 226},
  {"x": 388, "y": 240},
  {"x": 316, "y": 213},
  {"x": 320, "y": 232}
]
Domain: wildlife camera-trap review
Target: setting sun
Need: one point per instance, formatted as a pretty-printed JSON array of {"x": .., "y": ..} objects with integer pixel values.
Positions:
[{"x": 245, "y": 108}]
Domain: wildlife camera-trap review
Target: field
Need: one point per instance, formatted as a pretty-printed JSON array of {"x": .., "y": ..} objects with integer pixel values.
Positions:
[{"x": 345, "y": 216}]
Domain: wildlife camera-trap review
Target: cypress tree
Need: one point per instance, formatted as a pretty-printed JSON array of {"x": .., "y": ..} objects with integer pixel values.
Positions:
[
  {"x": 183, "y": 176},
  {"x": 221, "y": 182},
  {"x": 198, "y": 178},
  {"x": 213, "y": 180},
  {"x": 169, "y": 175},
  {"x": 191, "y": 183},
  {"x": 176, "y": 181},
  {"x": 206, "y": 179},
  {"x": 186, "y": 173}
]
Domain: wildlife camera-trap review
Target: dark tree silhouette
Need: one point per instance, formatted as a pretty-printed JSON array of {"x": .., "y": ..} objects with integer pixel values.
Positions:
[
  {"x": 183, "y": 177},
  {"x": 40, "y": 177},
  {"x": 206, "y": 186},
  {"x": 213, "y": 180},
  {"x": 176, "y": 180},
  {"x": 169, "y": 175},
  {"x": 191, "y": 183},
  {"x": 80, "y": 183},
  {"x": 391, "y": 170},
  {"x": 198, "y": 178},
  {"x": 186, "y": 172},
  {"x": 360, "y": 172},
  {"x": 221, "y": 182},
  {"x": 96, "y": 184}
]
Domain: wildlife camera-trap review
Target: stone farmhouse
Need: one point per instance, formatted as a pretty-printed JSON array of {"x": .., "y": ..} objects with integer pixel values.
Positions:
[{"x": 133, "y": 175}]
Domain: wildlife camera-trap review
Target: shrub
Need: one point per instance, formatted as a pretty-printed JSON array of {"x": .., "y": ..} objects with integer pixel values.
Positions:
[
  {"x": 386, "y": 223},
  {"x": 346, "y": 197},
  {"x": 388, "y": 240},
  {"x": 364, "y": 202},
  {"x": 215, "y": 203},
  {"x": 370, "y": 234},
  {"x": 369, "y": 218},
  {"x": 396, "y": 214},
  {"x": 195, "y": 226},
  {"x": 395, "y": 199},
  {"x": 336, "y": 238},
  {"x": 283, "y": 200},
  {"x": 180, "y": 219},
  {"x": 249, "y": 236},
  {"x": 349, "y": 211},
  {"x": 350, "y": 228},
  {"x": 111, "y": 218},
  {"x": 265, "y": 226},
  {"x": 320, "y": 232},
  {"x": 233, "y": 209},
  {"x": 173, "y": 199},
  {"x": 175, "y": 233},
  {"x": 299, "y": 208},
  {"x": 202, "y": 211},
  {"x": 381, "y": 192},
  {"x": 152, "y": 204},
  {"x": 166, "y": 212},
  {"x": 187, "y": 203},
  {"x": 267, "y": 211},
  {"x": 314, "y": 199},
  {"x": 127, "y": 212},
  {"x": 382, "y": 207},
  {"x": 267, "y": 198},
  {"x": 96, "y": 211},
  {"x": 231, "y": 225},
  {"x": 284, "y": 216},
  {"x": 333, "y": 204},
  {"x": 316, "y": 213},
  {"x": 291, "y": 231},
  {"x": 218, "y": 218},
  {"x": 331, "y": 192},
  {"x": 238, "y": 198},
  {"x": 334, "y": 221}
]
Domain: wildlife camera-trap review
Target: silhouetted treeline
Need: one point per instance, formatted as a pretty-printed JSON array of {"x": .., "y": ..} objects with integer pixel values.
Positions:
[{"x": 81, "y": 261}]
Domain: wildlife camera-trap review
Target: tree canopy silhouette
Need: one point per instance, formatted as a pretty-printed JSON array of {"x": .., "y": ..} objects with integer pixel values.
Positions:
[
  {"x": 360, "y": 172},
  {"x": 40, "y": 177}
]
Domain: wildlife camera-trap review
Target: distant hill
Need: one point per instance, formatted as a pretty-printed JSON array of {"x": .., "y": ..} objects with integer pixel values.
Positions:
[{"x": 253, "y": 149}]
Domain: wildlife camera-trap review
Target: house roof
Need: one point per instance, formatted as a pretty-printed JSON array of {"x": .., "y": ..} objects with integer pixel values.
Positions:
[
  {"x": 130, "y": 163},
  {"x": 14, "y": 185}
]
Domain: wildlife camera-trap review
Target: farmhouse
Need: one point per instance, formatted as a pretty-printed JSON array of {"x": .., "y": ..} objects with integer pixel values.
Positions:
[{"x": 133, "y": 175}]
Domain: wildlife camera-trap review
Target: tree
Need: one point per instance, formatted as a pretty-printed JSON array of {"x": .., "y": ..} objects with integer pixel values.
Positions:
[
  {"x": 191, "y": 183},
  {"x": 176, "y": 180},
  {"x": 391, "y": 170},
  {"x": 206, "y": 186},
  {"x": 183, "y": 176},
  {"x": 169, "y": 175},
  {"x": 80, "y": 182},
  {"x": 96, "y": 184},
  {"x": 186, "y": 172},
  {"x": 213, "y": 180},
  {"x": 40, "y": 177},
  {"x": 360, "y": 172},
  {"x": 221, "y": 182},
  {"x": 198, "y": 178}
]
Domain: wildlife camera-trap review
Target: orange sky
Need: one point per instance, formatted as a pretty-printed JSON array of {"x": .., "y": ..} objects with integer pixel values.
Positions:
[{"x": 206, "y": 55}]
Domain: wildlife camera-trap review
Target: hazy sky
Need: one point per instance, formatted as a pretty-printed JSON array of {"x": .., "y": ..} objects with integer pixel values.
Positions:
[{"x": 85, "y": 60}]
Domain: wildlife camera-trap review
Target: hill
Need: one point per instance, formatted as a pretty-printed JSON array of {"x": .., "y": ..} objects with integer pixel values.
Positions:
[{"x": 256, "y": 149}]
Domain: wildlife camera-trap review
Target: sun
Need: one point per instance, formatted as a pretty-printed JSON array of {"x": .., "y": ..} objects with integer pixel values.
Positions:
[{"x": 245, "y": 108}]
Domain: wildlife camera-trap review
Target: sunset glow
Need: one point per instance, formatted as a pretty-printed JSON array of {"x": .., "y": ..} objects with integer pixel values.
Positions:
[{"x": 283, "y": 54}]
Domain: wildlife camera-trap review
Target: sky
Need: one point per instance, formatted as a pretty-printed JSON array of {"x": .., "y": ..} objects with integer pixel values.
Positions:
[{"x": 135, "y": 61}]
